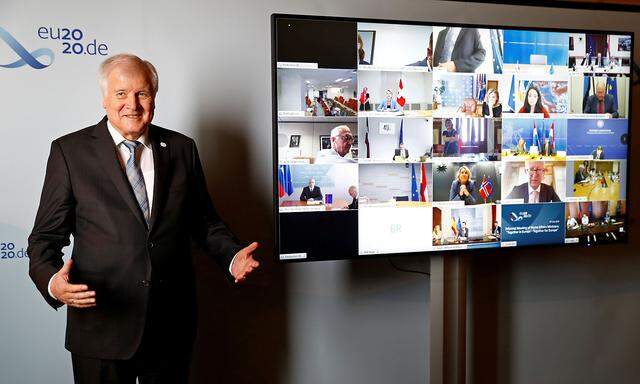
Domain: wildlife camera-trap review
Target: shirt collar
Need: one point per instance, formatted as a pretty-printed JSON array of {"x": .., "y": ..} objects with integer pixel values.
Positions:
[
  {"x": 118, "y": 138},
  {"x": 531, "y": 189}
]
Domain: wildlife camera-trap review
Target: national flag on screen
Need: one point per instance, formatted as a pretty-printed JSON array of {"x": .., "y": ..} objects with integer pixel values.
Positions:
[
  {"x": 486, "y": 188},
  {"x": 496, "y": 48},
  {"x": 459, "y": 226},
  {"x": 587, "y": 91},
  {"x": 482, "y": 86},
  {"x": 401, "y": 138},
  {"x": 512, "y": 94},
  {"x": 366, "y": 138},
  {"x": 552, "y": 140},
  {"x": 363, "y": 95},
  {"x": 415, "y": 195},
  {"x": 285, "y": 186},
  {"x": 454, "y": 228},
  {"x": 612, "y": 89},
  {"x": 424, "y": 193},
  {"x": 400, "y": 99}
]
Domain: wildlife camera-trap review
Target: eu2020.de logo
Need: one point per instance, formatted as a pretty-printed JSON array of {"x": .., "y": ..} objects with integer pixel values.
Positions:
[{"x": 24, "y": 57}]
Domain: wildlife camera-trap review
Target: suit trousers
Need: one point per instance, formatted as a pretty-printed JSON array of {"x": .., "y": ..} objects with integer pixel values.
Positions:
[{"x": 152, "y": 363}]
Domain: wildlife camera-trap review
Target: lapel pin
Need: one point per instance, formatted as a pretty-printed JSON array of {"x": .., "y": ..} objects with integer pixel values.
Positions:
[{"x": 163, "y": 144}]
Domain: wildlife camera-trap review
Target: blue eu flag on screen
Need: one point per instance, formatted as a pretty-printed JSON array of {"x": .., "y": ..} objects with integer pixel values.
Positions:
[
  {"x": 512, "y": 94},
  {"x": 401, "y": 139},
  {"x": 612, "y": 89},
  {"x": 415, "y": 192}
]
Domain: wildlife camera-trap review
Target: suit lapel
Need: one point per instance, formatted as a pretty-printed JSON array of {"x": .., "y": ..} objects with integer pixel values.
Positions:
[
  {"x": 161, "y": 160},
  {"x": 107, "y": 156}
]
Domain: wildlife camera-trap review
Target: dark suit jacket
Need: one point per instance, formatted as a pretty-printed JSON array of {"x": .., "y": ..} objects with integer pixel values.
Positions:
[
  {"x": 306, "y": 194},
  {"x": 467, "y": 52},
  {"x": 143, "y": 277},
  {"x": 547, "y": 194},
  {"x": 354, "y": 204},
  {"x": 454, "y": 192},
  {"x": 592, "y": 105}
]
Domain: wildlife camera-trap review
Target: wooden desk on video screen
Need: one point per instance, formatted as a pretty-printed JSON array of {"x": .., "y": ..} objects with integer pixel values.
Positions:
[
  {"x": 337, "y": 204},
  {"x": 595, "y": 192}
]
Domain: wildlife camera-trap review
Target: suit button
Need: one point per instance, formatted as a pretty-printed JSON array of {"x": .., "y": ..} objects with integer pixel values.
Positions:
[
  {"x": 151, "y": 245},
  {"x": 144, "y": 283}
]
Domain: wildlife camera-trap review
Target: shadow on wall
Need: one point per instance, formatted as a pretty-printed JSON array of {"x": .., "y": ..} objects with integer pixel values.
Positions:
[{"x": 242, "y": 329}]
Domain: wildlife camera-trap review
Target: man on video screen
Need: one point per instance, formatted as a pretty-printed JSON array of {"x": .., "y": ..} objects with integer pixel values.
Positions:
[
  {"x": 458, "y": 50},
  {"x": 311, "y": 192},
  {"x": 341, "y": 141},
  {"x": 534, "y": 191}
]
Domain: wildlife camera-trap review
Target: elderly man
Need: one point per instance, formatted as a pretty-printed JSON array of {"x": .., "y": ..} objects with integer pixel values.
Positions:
[
  {"x": 534, "y": 191},
  {"x": 341, "y": 140},
  {"x": 353, "y": 192},
  {"x": 133, "y": 195},
  {"x": 311, "y": 192},
  {"x": 601, "y": 102}
]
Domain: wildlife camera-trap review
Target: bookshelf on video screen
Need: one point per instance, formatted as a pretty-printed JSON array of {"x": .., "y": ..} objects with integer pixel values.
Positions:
[{"x": 396, "y": 138}]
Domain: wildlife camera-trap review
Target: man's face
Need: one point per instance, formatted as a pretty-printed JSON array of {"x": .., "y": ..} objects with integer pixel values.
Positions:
[
  {"x": 312, "y": 184},
  {"x": 535, "y": 169},
  {"x": 388, "y": 95},
  {"x": 129, "y": 99},
  {"x": 448, "y": 124},
  {"x": 353, "y": 192},
  {"x": 342, "y": 142},
  {"x": 600, "y": 93}
]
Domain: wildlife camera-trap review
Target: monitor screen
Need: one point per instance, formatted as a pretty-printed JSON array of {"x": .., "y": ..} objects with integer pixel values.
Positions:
[{"x": 398, "y": 137}]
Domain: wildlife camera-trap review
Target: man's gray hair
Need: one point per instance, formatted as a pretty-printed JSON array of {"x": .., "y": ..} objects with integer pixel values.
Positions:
[
  {"x": 107, "y": 65},
  {"x": 335, "y": 132}
]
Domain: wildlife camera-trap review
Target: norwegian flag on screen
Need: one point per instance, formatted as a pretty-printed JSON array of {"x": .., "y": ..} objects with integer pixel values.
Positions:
[{"x": 486, "y": 188}]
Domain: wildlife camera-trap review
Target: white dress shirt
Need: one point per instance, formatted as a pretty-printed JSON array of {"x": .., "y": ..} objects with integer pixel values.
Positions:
[
  {"x": 145, "y": 159},
  {"x": 534, "y": 194}
]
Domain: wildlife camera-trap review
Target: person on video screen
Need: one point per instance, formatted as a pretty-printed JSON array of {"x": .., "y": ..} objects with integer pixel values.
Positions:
[
  {"x": 533, "y": 102},
  {"x": 582, "y": 176},
  {"x": 388, "y": 104},
  {"x": 353, "y": 192},
  {"x": 598, "y": 153},
  {"x": 450, "y": 136},
  {"x": 464, "y": 232},
  {"x": 311, "y": 192},
  {"x": 341, "y": 140},
  {"x": 463, "y": 188},
  {"x": 428, "y": 59},
  {"x": 458, "y": 50},
  {"x": 437, "y": 235},
  {"x": 401, "y": 153},
  {"x": 361, "y": 52},
  {"x": 601, "y": 102},
  {"x": 534, "y": 191},
  {"x": 492, "y": 107}
]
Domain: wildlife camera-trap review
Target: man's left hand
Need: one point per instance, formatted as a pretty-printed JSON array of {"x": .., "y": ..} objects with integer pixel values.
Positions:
[{"x": 244, "y": 263}]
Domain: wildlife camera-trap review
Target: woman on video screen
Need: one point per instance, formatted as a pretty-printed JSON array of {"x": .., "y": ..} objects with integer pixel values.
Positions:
[
  {"x": 533, "y": 103},
  {"x": 463, "y": 188}
]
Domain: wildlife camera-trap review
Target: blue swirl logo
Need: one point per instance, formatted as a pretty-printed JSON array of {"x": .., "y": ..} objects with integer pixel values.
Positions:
[{"x": 26, "y": 57}]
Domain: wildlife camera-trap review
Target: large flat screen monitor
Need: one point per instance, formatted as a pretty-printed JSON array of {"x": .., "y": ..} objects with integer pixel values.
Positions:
[{"x": 395, "y": 137}]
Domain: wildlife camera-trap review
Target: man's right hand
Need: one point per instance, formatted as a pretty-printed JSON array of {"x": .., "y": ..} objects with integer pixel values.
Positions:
[{"x": 74, "y": 295}]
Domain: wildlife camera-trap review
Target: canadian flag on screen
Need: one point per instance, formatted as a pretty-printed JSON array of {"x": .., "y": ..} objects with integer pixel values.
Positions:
[{"x": 401, "y": 100}]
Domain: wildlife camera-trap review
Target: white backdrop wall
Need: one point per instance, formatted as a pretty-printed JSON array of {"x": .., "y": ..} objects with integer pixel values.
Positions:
[{"x": 565, "y": 316}]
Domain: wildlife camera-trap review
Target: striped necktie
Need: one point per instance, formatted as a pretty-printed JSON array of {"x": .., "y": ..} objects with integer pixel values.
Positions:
[{"x": 134, "y": 174}]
